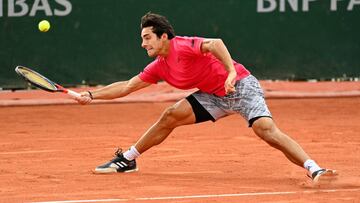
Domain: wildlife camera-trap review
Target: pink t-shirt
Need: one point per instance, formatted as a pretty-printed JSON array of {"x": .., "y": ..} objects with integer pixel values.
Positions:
[{"x": 186, "y": 67}]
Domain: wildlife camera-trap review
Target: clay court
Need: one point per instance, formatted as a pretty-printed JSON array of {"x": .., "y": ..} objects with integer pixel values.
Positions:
[{"x": 47, "y": 152}]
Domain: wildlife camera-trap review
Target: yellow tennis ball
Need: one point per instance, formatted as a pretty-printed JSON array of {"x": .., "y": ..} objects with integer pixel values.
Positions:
[{"x": 44, "y": 26}]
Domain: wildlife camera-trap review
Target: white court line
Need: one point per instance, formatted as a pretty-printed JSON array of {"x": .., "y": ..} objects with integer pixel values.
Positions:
[
  {"x": 205, "y": 196},
  {"x": 28, "y": 152}
]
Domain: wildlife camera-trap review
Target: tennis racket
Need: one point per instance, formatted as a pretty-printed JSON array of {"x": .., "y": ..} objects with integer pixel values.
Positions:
[{"x": 42, "y": 82}]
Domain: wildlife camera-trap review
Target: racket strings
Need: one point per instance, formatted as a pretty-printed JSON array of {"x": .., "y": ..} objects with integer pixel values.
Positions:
[{"x": 39, "y": 80}]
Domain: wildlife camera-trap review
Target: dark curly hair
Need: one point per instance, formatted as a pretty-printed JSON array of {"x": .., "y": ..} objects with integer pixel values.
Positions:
[{"x": 159, "y": 24}]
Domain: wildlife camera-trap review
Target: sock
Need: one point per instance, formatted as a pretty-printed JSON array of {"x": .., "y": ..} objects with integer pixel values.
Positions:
[
  {"x": 311, "y": 166},
  {"x": 131, "y": 154}
]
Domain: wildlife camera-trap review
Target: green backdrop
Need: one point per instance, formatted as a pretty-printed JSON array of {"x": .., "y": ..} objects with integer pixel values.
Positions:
[{"x": 99, "y": 42}]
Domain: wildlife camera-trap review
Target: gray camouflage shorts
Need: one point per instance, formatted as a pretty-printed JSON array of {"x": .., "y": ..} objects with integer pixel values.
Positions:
[{"x": 248, "y": 101}]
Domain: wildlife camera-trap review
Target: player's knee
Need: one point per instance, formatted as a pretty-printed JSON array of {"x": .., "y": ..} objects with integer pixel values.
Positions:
[
  {"x": 169, "y": 118},
  {"x": 267, "y": 131}
]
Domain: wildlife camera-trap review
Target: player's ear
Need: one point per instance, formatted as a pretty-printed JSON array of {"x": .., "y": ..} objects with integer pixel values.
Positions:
[{"x": 164, "y": 36}]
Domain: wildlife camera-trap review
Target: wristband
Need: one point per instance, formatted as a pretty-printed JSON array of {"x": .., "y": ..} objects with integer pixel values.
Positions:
[{"x": 90, "y": 95}]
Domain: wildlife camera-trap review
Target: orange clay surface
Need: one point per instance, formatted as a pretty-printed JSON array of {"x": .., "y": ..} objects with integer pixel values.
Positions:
[{"x": 47, "y": 154}]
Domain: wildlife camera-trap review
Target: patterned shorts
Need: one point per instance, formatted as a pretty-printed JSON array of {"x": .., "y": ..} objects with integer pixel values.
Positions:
[{"x": 248, "y": 101}]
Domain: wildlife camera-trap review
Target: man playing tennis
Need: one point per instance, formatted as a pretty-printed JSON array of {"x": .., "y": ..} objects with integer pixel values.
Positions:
[{"x": 225, "y": 87}]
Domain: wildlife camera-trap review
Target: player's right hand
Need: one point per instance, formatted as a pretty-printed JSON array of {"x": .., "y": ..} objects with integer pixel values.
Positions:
[{"x": 84, "y": 99}]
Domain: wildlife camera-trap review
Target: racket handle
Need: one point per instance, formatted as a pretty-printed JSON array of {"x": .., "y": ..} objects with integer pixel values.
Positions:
[{"x": 73, "y": 94}]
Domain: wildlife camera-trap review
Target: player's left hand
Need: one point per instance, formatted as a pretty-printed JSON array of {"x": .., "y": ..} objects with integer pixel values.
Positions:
[{"x": 230, "y": 82}]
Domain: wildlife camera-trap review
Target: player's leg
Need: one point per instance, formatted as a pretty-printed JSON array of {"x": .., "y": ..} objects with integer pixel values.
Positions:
[
  {"x": 179, "y": 114},
  {"x": 252, "y": 106},
  {"x": 265, "y": 128},
  {"x": 186, "y": 111}
]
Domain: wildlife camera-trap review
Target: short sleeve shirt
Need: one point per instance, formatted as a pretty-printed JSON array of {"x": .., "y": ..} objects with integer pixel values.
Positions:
[{"x": 186, "y": 67}]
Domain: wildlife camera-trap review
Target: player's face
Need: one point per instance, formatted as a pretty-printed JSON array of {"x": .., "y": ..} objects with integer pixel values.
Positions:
[{"x": 154, "y": 45}]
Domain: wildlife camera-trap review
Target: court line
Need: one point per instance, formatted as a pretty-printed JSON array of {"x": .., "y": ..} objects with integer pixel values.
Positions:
[
  {"x": 28, "y": 152},
  {"x": 190, "y": 172},
  {"x": 206, "y": 196}
]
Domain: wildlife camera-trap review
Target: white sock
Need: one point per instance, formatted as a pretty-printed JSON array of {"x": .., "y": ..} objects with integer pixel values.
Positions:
[
  {"x": 131, "y": 154},
  {"x": 311, "y": 166}
]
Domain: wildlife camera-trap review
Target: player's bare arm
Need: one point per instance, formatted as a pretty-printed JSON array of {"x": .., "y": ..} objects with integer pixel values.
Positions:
[
  {"x": 219, "y": 50},
  {"x": 114, "y": 90}
]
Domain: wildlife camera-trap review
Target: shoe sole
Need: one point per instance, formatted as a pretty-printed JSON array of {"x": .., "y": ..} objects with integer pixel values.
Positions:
[
  {"x": 112, "y": 170},
  {"x": 327, "y": 175}
]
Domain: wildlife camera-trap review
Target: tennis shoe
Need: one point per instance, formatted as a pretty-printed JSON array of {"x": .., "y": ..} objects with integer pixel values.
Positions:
[
  {"x": 119, "y": 164},
  {"x": 323, "y": 174}
]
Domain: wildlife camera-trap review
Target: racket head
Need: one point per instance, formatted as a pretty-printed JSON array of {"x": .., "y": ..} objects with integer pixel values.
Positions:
[{"x": 36, "y": 79}]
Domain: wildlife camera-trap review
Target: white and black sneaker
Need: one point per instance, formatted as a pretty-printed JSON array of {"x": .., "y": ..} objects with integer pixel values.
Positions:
[
  {"x": 117, "y": 165},
  {"x": 323, "y": 174}
]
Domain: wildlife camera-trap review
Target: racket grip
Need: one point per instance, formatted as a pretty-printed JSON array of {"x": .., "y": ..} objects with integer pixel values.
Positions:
[{"x": 73, "y": 94}]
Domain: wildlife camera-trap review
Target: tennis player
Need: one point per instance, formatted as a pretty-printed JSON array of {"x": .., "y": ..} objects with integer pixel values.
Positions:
[{"x": 225, "y": 87}]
